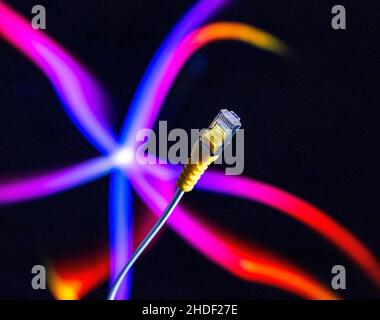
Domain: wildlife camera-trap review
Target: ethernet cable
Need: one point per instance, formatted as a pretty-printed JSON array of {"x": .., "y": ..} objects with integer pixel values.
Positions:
[{"x": 206, "y": 150}]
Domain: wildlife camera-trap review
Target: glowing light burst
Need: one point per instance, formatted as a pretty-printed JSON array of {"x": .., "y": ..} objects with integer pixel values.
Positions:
[
  {"x": 73, "y": 284},
  {"x": 84, "y": 101}
]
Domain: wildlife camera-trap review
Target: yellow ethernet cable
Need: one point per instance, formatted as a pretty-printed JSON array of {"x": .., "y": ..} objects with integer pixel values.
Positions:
[{"x": 204, "y": 152}]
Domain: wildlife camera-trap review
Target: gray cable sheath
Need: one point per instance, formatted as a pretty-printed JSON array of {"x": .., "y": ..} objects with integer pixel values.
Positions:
[{"x": 149, "y": 237}]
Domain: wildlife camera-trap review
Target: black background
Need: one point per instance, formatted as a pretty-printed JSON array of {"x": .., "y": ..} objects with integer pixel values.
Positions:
[{"x": 310, "y": 128}]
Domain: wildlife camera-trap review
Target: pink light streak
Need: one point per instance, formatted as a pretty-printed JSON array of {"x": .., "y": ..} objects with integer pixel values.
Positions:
[
  {"x": 81, "y": 95},
  {"x": 35, "y": 187},
  {"x": 144, "y": 110},
  {"x": 248, "y": 262},
  {"x": 298, "y": 209},
  {"x": 193, "y": 42}
]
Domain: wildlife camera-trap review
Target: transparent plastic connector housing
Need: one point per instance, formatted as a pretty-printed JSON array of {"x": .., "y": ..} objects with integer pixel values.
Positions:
[
  {"x": 208, "y": 148},
  {"x": 221, "y": 131}
]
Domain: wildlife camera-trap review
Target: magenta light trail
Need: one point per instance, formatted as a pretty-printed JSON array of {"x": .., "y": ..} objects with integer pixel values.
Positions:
[
  {"x": 298, "y": 209},
  {"x": 248, "y": 262},
  {"x": 144, "y": 108},
  {"x": 80, "y": 94},
  {"x": 151, "y": 100},
  {"x": 25, "y": 189}
]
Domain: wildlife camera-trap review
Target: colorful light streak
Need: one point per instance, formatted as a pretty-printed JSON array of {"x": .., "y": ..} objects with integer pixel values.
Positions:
[
  {"x": 81, "y": 95},
  {"x": 298, "y": 209},
  {"x": 84, "y": 101},
  {"x": 237, "y": 258},
  {"x": 246, "y": 261},
  {"x": 39, "y": 186},
  {"x": 120, "y": 229},
  {"x": 91, "y": 269},
  {"x": 155, "y": 95},
  {"x": 144, "y": 110}
]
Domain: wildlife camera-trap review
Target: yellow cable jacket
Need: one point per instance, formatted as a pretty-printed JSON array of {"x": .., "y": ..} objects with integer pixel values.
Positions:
[{"x": 191, "y": 174}]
